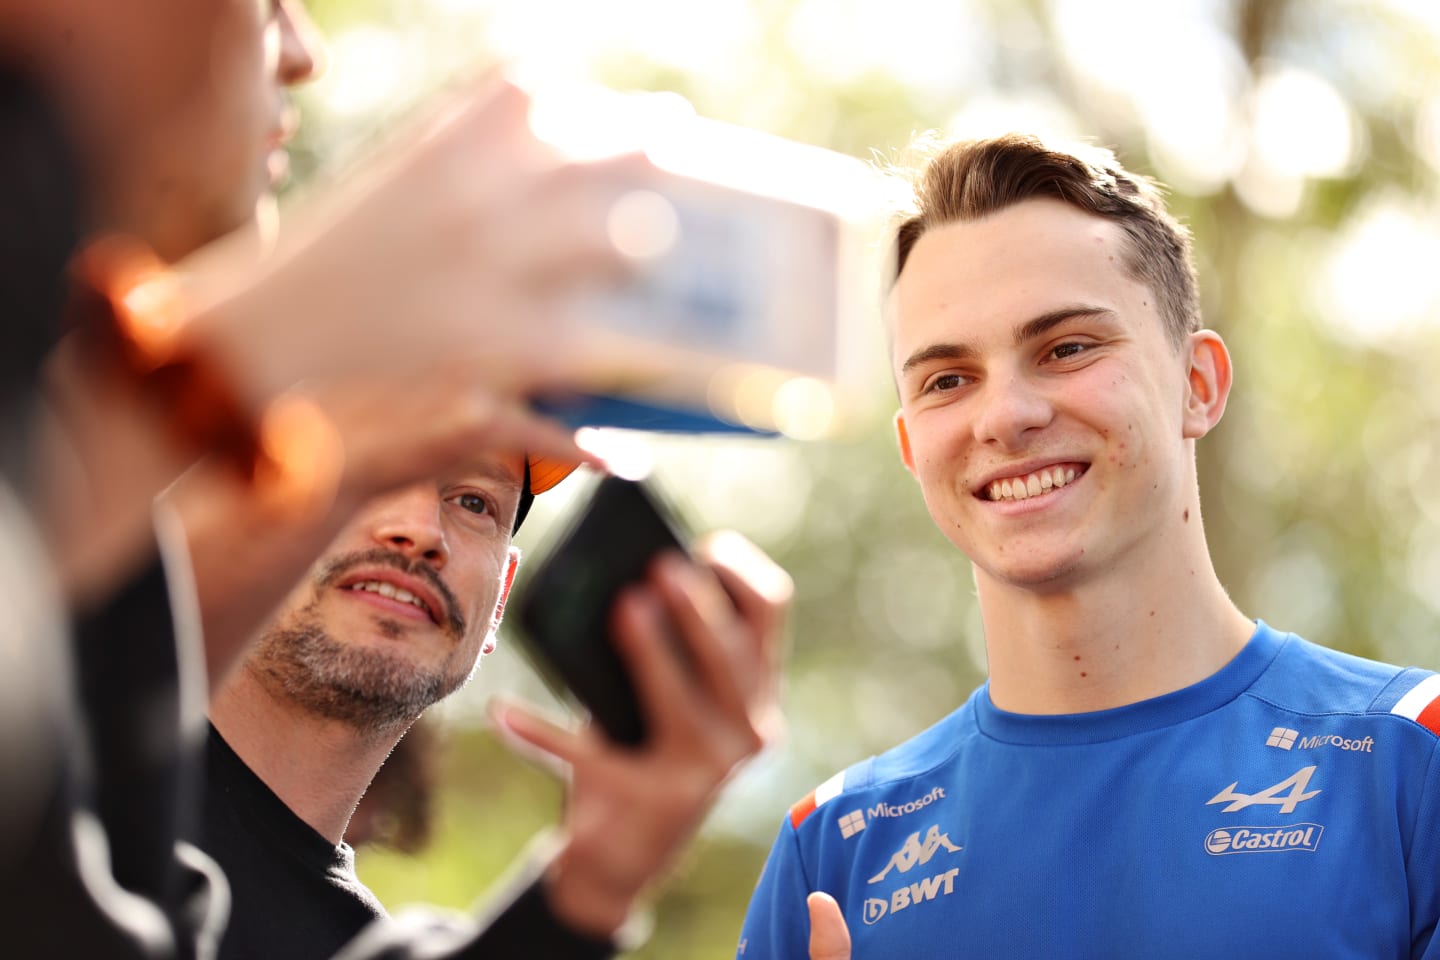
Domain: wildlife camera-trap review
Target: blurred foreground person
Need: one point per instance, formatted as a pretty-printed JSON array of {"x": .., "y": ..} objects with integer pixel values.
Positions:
[
  {"x": 183, "y": 338},
  {"x": 1147, "y": 772},
  {"x": 395, "y": 616}
]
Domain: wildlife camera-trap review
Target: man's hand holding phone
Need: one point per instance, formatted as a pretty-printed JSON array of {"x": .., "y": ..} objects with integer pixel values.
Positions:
[{"x": 700, "y": 639}]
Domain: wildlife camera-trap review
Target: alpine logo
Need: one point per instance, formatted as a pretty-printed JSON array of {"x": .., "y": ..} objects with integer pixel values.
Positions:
[
  {"x": 1285, "y": 739},
  {"x": 1287, "y": 794},
  {"x": 914, "y": 853},
  {"x": 940, "y": 885},
  {"x": 1298, "y": 836}
]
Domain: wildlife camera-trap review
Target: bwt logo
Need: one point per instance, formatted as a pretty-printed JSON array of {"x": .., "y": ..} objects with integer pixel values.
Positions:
[
  {"x": 1299, "y": 836},
  {"x": 940, "y": 885}
]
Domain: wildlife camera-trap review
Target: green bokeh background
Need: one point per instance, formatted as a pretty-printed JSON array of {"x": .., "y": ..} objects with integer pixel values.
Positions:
[{"x": 1321, "y": 487}]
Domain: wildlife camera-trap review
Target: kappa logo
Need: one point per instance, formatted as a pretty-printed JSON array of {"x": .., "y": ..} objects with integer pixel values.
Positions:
[
  {"x": 914, "y": 852},
  {"x": 1285, "y": 739},
  {"x": 1270, "y": 796}
]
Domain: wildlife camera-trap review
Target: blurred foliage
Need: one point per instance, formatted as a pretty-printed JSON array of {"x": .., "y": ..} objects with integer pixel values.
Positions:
[{"x": 1321, "y": 487}]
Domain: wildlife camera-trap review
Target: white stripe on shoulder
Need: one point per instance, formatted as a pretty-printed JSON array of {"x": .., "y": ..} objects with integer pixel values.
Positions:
[
  {"x": 1420, "y": 696},
  {"x": 830, "y": 789}
]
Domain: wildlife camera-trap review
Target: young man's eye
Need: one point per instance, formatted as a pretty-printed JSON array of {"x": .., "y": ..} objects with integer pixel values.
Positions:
[
  {"x": 1065, "y": 351},
  {"x": 946, "y": 381}
]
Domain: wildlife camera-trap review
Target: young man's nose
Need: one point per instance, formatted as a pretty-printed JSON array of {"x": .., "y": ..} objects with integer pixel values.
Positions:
[{"x": 1010, "y": 408}]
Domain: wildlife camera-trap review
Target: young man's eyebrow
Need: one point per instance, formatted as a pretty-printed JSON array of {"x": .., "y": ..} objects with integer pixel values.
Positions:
[
  {"x": 1042, "y": 324},
  {"x": 1028, "y": 330},
  {"x": 937, "y": 351}
]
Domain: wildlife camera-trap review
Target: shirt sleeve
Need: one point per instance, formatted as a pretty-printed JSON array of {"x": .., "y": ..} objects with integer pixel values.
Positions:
[
  {"x": 1424, "y": 867},
  {"x": 777, "y": 925}
]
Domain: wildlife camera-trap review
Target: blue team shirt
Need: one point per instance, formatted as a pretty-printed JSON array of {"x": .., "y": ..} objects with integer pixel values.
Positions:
[{"x": 1288, "y": 806}]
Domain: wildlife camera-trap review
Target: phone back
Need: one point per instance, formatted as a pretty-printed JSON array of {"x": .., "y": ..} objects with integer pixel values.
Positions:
[{"x": 565, "y": 608}]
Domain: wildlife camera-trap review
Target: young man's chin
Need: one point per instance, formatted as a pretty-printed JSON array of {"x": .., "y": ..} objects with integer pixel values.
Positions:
[{"x": 1040, "y": 572}]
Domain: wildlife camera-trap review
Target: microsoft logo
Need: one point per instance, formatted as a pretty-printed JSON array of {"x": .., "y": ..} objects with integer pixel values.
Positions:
[
  {"x": 1282, "y": 737},
  {"x": 852, "y": 823}
]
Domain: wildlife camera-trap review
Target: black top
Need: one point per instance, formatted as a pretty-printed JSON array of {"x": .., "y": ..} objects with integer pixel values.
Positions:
[{"x": 295, "y": 895}]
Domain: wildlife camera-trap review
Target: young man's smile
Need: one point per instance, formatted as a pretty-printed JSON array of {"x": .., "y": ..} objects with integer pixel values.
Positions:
[
  {"x": 1030, "y": 483},
  {"x": 1041, "y": 398}
]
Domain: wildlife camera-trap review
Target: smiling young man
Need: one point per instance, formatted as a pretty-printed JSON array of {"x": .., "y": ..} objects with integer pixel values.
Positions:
[
  {"x": 395, "y": 616},
  {"x": 1147, "y": 771}
]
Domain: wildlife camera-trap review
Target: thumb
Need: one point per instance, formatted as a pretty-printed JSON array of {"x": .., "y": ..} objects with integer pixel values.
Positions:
[{"x": 829, "y": 937}]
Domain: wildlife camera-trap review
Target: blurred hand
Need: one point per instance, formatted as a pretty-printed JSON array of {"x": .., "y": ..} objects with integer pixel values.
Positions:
[
  {"x": 829, "y": 937},
  {"x": 465, "y": 244},
  {"x": 453, "y": 261},
  {"x": 632, "y": 810}
]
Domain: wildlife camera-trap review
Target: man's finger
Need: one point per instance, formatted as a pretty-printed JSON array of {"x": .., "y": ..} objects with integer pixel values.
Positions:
[
  {"x": 541, "y": 741},
  {"x": 829, "y": 937}
]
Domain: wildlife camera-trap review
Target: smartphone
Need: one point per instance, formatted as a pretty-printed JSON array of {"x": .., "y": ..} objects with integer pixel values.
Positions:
[
  {"x": 745, "y": 309},
  {"x": 565, "y": 609}
]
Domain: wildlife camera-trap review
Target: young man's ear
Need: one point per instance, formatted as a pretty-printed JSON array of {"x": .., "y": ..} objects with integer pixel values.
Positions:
[
  {"x": 902, "y": 436},
  {"x": 512, "y": 566},
  {"x": 1208, "y": 383}
]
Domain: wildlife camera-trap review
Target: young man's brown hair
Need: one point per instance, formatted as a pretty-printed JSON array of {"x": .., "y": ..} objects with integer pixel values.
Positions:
[{"x": 972, "y": 179}]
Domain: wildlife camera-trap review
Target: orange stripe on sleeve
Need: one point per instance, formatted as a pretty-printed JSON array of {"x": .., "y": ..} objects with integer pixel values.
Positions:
[{"x": 802, "y": 809}]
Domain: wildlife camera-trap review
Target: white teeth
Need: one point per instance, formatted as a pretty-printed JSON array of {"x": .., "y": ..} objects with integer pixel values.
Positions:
[
  {"x": 391, "y": 591},
  {"x": 1031, "y": 485}
]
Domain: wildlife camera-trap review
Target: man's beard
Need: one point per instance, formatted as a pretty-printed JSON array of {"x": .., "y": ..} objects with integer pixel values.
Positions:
[{"x": 372, "y": 690}]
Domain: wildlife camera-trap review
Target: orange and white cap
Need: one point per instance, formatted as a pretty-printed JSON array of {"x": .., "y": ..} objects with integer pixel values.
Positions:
[{"x": 541, "y": 473}]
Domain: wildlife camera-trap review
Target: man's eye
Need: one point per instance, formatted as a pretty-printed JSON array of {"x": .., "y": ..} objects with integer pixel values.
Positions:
[
  {"x": 946, "y": 381},
  {"x": 472, "y": 502},
  {"x": 1067, "y": 350}
]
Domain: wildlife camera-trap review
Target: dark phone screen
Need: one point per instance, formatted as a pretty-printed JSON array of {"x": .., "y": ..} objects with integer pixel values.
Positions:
[{"x": 565, "y": 608}]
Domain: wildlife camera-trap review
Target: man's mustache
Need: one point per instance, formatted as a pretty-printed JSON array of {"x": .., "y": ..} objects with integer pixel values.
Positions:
[{"x": 340, "y": 566}]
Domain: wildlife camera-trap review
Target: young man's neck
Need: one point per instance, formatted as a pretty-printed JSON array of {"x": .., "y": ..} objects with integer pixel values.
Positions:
[
  {"x": 317, "y": 766},
  {"x": 1111, "y": 641}
]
